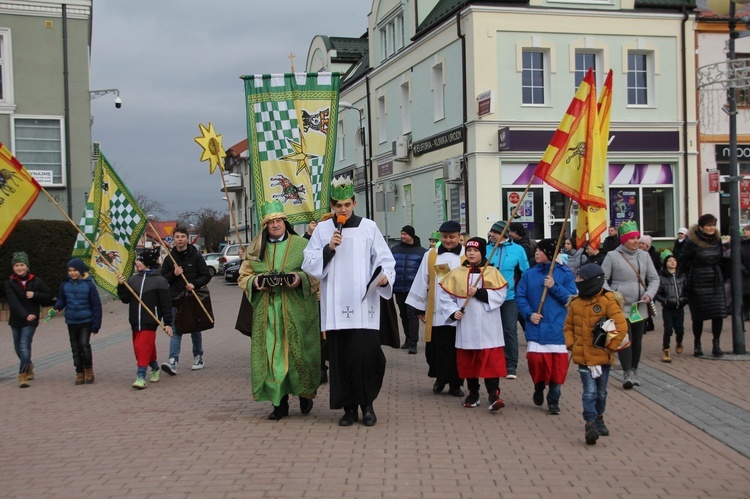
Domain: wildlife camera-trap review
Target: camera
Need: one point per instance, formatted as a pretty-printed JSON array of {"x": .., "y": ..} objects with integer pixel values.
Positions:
[{"x": 118, "y": 102}]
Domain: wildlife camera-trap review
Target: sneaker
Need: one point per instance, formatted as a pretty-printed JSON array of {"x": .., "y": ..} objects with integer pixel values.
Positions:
[
  {"x": 538, "y": 394},
  {"x": 601, "y": 427},
  {"x": 170, "y": 367},
  {"x": 591, "y": 434},
  {"x": 495, "y": 402},
  {"x": 627, "y": 382},
  {"x": 511, "y": 375},
  {"x": 636, "y": 381},
  {"x": 456, "y": 392},
  {"x": 139, "y": 384},
  {"x": 197, "y": 363},
  {"x": 472, "y": 400},
  {"x": 155, "y": 375},
  {"x": 553, "y": 408}
]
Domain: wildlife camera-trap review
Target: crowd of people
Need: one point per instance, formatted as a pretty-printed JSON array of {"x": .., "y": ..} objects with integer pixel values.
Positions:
[{"x": 318, "y": 298}]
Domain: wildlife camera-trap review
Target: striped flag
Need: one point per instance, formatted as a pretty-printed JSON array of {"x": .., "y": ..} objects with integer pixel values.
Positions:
[
  {"x": 18, "y": 191},
  {"x": 114, "y": 222},
  {"x": 291, "y": 130}
]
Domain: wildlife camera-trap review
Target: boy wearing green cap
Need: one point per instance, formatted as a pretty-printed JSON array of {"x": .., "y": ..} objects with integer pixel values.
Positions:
[
  {"x": 26, "y": 293},
  {"x": 672, "y": 295}
]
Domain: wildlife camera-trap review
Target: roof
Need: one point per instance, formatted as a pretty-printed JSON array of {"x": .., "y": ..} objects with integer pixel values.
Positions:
[
  {"x": 351, "y": 49},
  {"x": 356, "y": 71},
  {"x": 236, "y": 150}
]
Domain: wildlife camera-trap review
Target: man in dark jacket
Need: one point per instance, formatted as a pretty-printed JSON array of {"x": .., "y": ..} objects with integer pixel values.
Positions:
[
  {"x": 191, "y": 267},
  {"x": 611, "y": 242},
  {"x": 518, "y": 234},
  {"x": 408, "y": 255}
]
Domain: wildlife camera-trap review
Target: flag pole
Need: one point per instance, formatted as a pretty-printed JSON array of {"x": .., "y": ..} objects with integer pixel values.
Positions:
[
  {"x": 231, "y": 213},
  {"x": 499, "y": 239},
  {"x": 554, "y": 255},
  {"x": 169, "y": 253},
  {"x": 104, "y": 259}
]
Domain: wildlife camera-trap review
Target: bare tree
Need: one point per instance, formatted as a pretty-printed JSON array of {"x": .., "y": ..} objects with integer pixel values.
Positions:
[
  {"x": 210, "y": 224},
  {"x": 150, "y": 206}
]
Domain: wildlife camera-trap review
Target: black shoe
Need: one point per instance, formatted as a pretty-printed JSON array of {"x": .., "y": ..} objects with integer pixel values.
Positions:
[
  {"x": 413, "y": 350},
  {"x": 553, "y": 408},
  {"x": 349, "y": 418},
  {"x": 601, "y": 427},
  {"x": 279, "y": 411},
  {"x": 438, "y": 387},
  {"x": 538, "y": 394},
  {"x": 592, "y": 434},
  {"x": 456, "y": 391},
  {"x": 404, "y": 346},
  {"x": 697, "y": 351},
  {"x": 716, "y": 350},
  {"x": 305, "y": 405},
  {"x": 368, "y": 416}
]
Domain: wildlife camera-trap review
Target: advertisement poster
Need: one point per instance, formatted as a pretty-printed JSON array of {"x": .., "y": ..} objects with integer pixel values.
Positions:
[
  {"x": 744, "y": 202},
  {"x": 624, "y": 206},
  {"x": 526, "y": 208}
]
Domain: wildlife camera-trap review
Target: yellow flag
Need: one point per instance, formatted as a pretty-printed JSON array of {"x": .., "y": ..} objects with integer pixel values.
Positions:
[{"x": 18, "y": 191}]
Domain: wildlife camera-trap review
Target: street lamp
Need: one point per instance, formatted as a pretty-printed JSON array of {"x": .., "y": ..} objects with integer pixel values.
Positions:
[
  {"x": 723, "y": 8},
  {"x": 347, "y": 105}
]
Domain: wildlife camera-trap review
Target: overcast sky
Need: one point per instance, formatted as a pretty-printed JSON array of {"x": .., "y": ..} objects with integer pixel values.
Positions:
[{"x": 177, "y": 63}]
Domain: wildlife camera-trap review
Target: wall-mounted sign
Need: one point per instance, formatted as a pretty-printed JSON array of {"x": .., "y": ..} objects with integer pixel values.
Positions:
[
  {"x": 485, "y": 103},
  {"x": 385, "y": 169},
  {"x": 445, "y": 139},
  {"x": 722, "y": 152},
  {"x": 713, "y": 181},
  {"x": 503, "y": 138},
  {"x": 44, "y": 177}
]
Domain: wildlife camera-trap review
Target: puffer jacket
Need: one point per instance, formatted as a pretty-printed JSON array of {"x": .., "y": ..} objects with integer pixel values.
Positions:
[
  {"x": 193, "y": 267},
  {"x": 153, "y": 290},
  {"x": 408, "y": 258},
  {"x": 672, "y": 292},
  {"x": 583, "y": 314},
  {"x": 701, "y": 261},
  {"x": 20, "y": 306},
  {"x": 529, "y": 294},
  {"x": 619, "y": 276},
  {"x": 81, "y": 302}
]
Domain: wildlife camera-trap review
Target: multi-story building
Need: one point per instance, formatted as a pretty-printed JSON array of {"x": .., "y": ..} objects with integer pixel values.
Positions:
[
  {"x": 45, "y": 111},
  {"x": 460, "y": 98}
]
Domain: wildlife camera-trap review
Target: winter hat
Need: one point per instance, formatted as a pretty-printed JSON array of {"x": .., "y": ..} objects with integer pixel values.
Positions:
[
  {"x": 435, "y": 236},
  {"x": 593, "y": 280},
  {"x": 518, "y": 228},
  {"x": 409, "y": 230},
  {"x": 498, "y": 227},
  {"x": 20, "y": 257},
  {"x": 77, "y": 263},
  {"x": 627, "y": 231},
  {"x": 547, "y": 246},
  {"x": 149, "y": 258},
  {"x": 646, "y": 240},
  {"x": 478, "y": 243},
  {"x": 682, "y": 230},
  {"x": 450, "y": 226},
  {"x": 589, "y": 271},
  {"x": 706, "y": 219},
  {"x": 665, "y": 255}
]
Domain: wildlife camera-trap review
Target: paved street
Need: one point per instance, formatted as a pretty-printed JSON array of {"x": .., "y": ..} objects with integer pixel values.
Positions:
[{"x": 684, "y": 433}]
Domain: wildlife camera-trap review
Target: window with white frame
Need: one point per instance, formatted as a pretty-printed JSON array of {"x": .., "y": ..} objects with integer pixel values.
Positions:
[
  {"x": 341, "y": 131},
  {"x": 584, "y": 61},
  {"x": 532, "y": 76},
  {"x": 392, "y": 35},
  {"x": 438, "y": 92},
  {"x": 405, "y": 108},
  {"x": 382, "y": 130},
  {"x": 742, "y": 68},
  {"x": 638, "y": 78},
  {"x": 38, "y": 145},
  {"x": 6, "y": 71}
]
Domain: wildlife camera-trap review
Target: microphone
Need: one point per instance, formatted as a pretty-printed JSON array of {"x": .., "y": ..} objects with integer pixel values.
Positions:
[{"x": 340, "y": 221}]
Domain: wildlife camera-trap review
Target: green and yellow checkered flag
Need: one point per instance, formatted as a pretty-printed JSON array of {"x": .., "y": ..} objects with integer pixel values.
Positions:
[
  {"x": 114, "y": 222},
  {"x": 291, "y": 130}
]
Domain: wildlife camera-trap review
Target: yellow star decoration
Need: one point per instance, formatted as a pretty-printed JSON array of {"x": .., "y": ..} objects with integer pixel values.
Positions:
[
  {"x": 299, "y": 155},
  {"x": 105, "y": 221},
  {"x": 211, "y": 144}
]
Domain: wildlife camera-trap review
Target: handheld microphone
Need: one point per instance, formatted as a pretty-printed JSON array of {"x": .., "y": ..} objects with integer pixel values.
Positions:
[{"x": 340, "y": 221}]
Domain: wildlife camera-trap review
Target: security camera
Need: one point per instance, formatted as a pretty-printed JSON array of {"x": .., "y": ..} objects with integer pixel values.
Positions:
[{"x": 118, "y": 102}]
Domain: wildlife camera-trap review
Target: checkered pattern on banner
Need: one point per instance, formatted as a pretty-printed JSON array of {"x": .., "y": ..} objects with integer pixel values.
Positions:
[
  {"x": 124, "y": 218},
  {"x": 88, "y": 226},
  {"x": 274, "y": 123},
  {"x": 317, "y": 167}
]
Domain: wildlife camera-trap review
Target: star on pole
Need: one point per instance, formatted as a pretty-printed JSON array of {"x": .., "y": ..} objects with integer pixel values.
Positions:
[
  {"x": 213, "y": 152},
  {"x": 299, "y": 155}
]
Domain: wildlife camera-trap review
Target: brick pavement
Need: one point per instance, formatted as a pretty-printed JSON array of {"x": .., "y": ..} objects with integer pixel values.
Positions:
[{"x": 200, "y": 433}]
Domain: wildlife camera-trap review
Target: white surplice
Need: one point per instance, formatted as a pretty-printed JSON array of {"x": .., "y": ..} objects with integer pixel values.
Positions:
[{"x": 418, "y": 293}]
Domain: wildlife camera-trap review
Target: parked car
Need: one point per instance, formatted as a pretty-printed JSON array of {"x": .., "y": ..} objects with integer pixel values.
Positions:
[
  {"x": 232, "y": 272},
  {"x": 212, "y": 260},
  {"x": 224, "y": 266},
  {"x": 229, "y": 252}
]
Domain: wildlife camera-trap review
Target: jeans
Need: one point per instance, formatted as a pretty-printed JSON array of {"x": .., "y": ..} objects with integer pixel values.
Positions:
[
  {"x": 509, "y": 315},
  {"x": 554, "y": 393},
  {"x": 22, "y": 337},
  {"x": 80, "y": 344},
  {"x": 409, "y": 320},
  {"x": 175, "y": 342},
  {"x": 594, "y": 392},
  {"x": 674, "y": 320}
]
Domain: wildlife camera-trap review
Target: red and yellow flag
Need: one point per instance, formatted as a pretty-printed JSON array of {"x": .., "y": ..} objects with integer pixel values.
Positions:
[
  {"x": 18, "y": 191},
  {"x": 592, "y": 219},
  {"x": 570, "y": 157}
]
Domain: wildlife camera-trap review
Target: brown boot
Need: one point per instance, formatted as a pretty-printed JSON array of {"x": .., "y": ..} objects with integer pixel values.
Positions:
[
  {"x": 80, "y": 379},
  {"x": 23, "y": 380},
  {"x": 89, "y": 375},
  {"x": 665, "y": 355},
  {"x": 30, "y": 373}
]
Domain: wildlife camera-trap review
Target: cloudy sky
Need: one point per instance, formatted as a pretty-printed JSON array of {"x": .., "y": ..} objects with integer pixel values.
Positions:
[{"x": 177, "y": 63}]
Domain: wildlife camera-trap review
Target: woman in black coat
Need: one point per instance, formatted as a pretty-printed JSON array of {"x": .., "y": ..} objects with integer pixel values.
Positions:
[
  {"x": 701, "y": 261},
  {"x": 745, "y": 258}
]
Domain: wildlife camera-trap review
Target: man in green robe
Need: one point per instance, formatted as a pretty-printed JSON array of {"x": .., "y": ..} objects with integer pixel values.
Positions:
[{"x": 285, "y": 357}]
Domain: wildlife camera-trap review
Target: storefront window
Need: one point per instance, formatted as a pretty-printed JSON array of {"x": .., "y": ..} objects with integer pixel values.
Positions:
[{"x": 659, "y": 207}]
